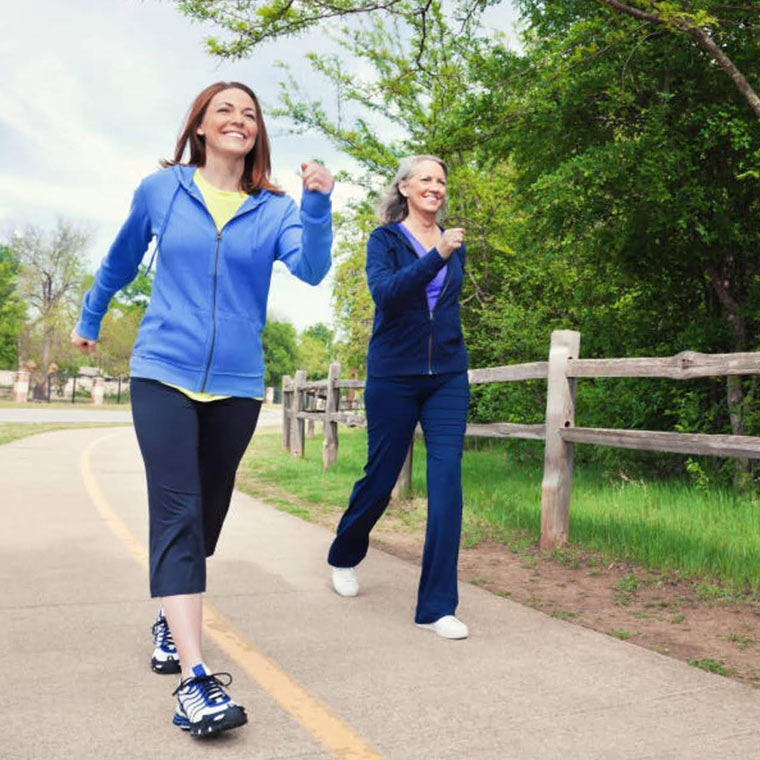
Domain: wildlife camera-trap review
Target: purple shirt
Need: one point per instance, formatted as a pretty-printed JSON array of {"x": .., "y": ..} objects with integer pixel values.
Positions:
[{"x": 435, "y": 286}]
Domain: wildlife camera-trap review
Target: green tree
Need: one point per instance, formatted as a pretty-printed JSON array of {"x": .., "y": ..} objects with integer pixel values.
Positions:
[
  {"x": 635, "y": 168},
  {"x": 352, "y": 304},
  {"x": 120, "y": 325},
  {"x": 51, "y": 269},
  {"x": 248, "y": 23},
  {"x": 11, "y": 309},
  {"x": 280, "y": 351},
  {"x": 606, "y": 175},
  {"x": 315, "y": 350}
]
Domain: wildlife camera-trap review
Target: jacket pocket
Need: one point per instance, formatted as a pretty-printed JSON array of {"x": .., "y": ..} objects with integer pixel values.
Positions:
[
  {"x": 238, "y": 348},
  {"x": 448, "y": 333},
  {"x": 180, "y": 339}
]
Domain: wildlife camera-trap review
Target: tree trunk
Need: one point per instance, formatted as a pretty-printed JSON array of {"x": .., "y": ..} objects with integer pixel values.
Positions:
[
  {"x": 40, "y": 376},
  {"x": 722, "y": 285}
]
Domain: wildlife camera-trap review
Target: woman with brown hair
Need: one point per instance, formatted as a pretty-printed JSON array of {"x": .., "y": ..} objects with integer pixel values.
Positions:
[{"x": 197, "y": 367}]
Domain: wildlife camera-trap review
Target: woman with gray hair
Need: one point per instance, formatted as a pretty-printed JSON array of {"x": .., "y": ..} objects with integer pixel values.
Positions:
[{"x": 416, "y": 372}]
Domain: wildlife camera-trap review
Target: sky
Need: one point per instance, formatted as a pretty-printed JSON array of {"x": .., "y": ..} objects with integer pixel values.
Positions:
[{"x": 93, "y": 94}]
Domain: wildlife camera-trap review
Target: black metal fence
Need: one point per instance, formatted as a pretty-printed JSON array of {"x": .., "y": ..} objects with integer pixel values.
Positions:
[
  {"x": 69, "y": 387},
  {"x": 78, "y": 388}
]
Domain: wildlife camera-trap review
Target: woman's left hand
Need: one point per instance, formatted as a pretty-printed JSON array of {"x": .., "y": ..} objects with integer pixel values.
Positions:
[{"x": 316, "y": 178}]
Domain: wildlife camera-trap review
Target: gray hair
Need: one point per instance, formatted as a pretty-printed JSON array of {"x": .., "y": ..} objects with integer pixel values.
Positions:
[{"x": 393, "y": 207}]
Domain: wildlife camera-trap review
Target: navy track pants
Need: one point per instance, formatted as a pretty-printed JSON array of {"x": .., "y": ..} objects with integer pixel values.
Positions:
[
  {"x": 191, "y": 451},
  {"x": 394, "y": 407}
]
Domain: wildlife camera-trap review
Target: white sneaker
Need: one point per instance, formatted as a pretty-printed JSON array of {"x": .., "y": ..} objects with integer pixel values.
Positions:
[
  {"x": 448, "y": 626},
  {"x": 344, "y": 581},
  {"x": 203, "y": 706}
]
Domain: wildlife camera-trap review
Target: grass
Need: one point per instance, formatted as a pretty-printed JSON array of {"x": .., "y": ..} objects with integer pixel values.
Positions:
[
  {"x": 713, "y": 534},
  {"x": 561, "y": 614},
  {"x": 711, "y": 666},
  {"x": 12, "y": 431},
  {"x": 743, "y": 641}
]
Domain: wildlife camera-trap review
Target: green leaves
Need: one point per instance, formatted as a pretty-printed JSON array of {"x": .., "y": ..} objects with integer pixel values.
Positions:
[
  {"x": 248, "y": 23},
  {"x": 280, "y": 351},
  {"x": 11, "y": 309}
]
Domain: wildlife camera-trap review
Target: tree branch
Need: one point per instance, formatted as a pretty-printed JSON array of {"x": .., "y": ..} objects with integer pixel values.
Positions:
[{"x": 704, "y": 40}]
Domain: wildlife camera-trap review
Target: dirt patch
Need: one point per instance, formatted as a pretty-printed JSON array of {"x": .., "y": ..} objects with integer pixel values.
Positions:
[{"x": 696, "y": 621}]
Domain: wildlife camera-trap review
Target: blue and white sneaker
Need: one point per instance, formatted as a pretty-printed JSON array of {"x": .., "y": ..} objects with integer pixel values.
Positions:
[
  {"x": 165, "y": 658},
  {"x": 203, "y": 706}
]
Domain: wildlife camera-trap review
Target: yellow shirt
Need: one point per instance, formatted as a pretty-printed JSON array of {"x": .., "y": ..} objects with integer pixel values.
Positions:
[{"x": 222, "y": 205}]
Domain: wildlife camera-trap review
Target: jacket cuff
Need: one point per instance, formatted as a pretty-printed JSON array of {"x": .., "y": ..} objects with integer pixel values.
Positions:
[
  {"x": 437, "y": 262},
  {"x": 316, "y": 205},
  {"x": 88, "y": 326}
]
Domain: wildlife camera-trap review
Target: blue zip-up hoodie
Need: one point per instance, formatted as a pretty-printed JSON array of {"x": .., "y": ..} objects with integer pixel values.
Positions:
[
  {"x": 202, "y": 328},
  {"x": 407, "y": 337}
]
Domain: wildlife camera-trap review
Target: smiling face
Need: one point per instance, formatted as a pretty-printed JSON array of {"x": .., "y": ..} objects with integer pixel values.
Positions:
[
  {"x": 229, "y": 126},
  {"x": 425, "y": 190}
]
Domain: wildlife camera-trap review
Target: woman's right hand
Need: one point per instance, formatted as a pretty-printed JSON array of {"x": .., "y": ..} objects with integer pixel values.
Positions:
[
  {"x": 450, "y": 241},
  {"x": 85, "y": 345}
]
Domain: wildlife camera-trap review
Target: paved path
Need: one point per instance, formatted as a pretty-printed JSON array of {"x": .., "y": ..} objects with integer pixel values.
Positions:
[
  {"x": 322, "y": 677},
  {"x": 74, "y": 415},
  {"x": 270, "y": 414}
]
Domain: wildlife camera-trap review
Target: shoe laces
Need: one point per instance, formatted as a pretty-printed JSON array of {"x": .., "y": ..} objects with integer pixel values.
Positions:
[
  {"x": 211, "y": 686},
  {"x": 162, "y": 635}
]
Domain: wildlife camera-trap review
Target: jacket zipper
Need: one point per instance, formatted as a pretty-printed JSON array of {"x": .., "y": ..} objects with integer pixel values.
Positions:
[
  {"x": 238, "y": 213},
  {"x": 213, "y": 312},
  {"x": 430, "y": 339}
]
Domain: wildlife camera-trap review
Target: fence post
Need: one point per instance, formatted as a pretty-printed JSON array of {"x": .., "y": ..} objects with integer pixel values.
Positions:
[
  {"x": 21, "y": 386},
  {"x": 297, "y": 428},
  {"x": 558, "y": 457},
  {"x": 287, "y": 401},
  {"x": 98, "y": 390},
  {"x": 310, "y": 403},
  {"x": 330, "y": 427},
  {"x": 403, "y": 485}
]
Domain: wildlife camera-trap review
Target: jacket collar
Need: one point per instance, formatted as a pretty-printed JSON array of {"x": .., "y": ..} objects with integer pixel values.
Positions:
[
  {"x": 393, "y": 230},
  {"x": 185, "y": 174}
]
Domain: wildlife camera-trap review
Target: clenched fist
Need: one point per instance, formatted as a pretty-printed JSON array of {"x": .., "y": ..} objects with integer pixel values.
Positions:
[
  {"x": 85, "y": 345},
  {"x": 316, "y": 177},
  {"x": 450, "y": 241}
]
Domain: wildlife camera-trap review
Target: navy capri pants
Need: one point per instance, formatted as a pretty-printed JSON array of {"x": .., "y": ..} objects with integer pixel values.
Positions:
[
  {"x": 191, "y": 451},
  {"x": 394, "y": 407}
]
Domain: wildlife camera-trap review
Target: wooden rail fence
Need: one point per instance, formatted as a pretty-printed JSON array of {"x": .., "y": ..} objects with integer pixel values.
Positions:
[{"x": 309, "y": 401}]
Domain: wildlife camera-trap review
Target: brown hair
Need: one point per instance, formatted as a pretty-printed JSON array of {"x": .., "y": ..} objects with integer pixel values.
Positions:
[{"x": 257, "y": 162}]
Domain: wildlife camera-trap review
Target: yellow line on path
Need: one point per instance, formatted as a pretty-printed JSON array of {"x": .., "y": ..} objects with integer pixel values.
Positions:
[
  {"x": 105, "y": 510},
  {"x": 326, "y": 727}
]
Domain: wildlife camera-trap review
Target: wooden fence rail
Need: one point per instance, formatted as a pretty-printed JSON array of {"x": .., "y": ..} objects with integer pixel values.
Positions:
[{"x": 320, "y": 400}]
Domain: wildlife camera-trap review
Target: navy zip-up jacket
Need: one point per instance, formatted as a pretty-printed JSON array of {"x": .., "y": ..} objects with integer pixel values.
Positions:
[
  {"x": 202, "y": 328},
  {"x": 407, "y": 337}
]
